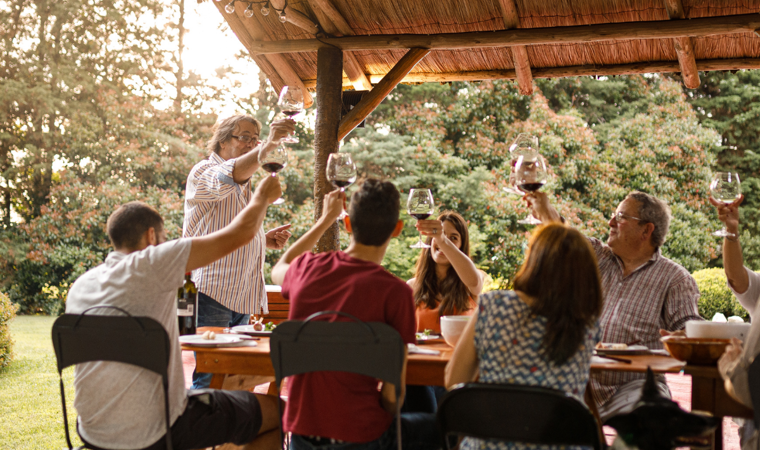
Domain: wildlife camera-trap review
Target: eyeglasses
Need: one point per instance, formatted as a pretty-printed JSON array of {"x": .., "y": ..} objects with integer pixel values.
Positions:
[
  {"x": 246, "y": 139},
  {"x": 621, "y": 218}
]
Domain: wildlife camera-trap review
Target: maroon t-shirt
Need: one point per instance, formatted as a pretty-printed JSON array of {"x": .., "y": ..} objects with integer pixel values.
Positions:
[{"x": 342, "y": 405}]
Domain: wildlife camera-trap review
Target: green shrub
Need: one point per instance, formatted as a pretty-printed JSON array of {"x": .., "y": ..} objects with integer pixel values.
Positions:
[
  {"x": 7, "y": 313},
  {"x": 715, "y": 295}
]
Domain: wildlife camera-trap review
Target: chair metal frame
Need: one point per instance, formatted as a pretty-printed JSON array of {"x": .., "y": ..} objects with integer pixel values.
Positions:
[
  {"x": 367, "y": 348},
  {"x": 140, "y": 341},
  {"x": 517, "y": 413},
  {"x": 753, "y": 378}
]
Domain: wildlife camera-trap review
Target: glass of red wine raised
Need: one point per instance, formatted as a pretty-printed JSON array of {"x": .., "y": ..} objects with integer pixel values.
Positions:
[
  {"x": 291, "y": 104},
  {"x": 530, "y": 176},
  {"x": 420, "y": 206},
  {"x": 274, "y": 161},
  {"x": 341, "y": 172}
]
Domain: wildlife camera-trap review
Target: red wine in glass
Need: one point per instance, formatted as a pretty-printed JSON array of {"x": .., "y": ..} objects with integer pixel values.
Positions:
[
  {"x": 420, "y": 216},
  {"x": 530, "y": 187},
  {"x": 272, "y": 167},
  {"x": 291, "y": 113},
  {"x": 342, "y": 184}
]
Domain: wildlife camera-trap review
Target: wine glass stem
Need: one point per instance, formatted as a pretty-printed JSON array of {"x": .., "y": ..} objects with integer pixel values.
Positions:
[{"x": 274, "y": 174}]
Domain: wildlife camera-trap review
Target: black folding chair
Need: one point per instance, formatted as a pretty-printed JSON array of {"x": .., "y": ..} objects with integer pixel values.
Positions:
[
  {"x": 366, "y": 348},
  {"x": 517, "y": 413},
  {"x": 140, "y": 341}
]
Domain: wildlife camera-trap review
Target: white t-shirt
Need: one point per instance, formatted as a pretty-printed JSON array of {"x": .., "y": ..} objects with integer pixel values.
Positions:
[{"x": 121, "y": 406}]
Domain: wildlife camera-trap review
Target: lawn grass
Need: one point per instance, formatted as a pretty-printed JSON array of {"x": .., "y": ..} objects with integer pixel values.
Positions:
[{"x": 30, "y": 400}]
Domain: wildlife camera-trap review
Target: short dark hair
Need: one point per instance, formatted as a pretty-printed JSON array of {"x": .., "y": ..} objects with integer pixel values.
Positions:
[
  {"x": 129, "y": 223},
  {"x": 374, "y": 212}
]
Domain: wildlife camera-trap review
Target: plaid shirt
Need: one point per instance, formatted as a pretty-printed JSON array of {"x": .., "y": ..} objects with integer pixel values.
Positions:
[
  {"x": 212, "y": 200},
  {"x": 658, "y": 295}
]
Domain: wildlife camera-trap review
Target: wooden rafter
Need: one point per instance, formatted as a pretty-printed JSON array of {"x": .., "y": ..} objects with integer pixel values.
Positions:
[
  {"x": 706, "y": 26},
  {"x": 519, "y": 52},
  {"x": 331, "y": 18},
  {"x": 296, "y": 17},
  {"x": 567, "y": 71},
  {"x": 683, "y": 46},
  {"x": 371, "y": 100},
  {"x": 251, "y": 35}
]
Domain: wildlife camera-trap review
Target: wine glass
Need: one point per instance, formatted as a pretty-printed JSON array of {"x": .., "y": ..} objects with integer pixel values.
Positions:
[
  {"x": 341, "y": 172},
  {"x": 525, "y": 144},
  {"x": 530, "y": 176},
  {"x": 420, "y": 206},
  {"x": 274, "y": 161},
  {"x": 291, "y": 103},
  {"x": 725, "y": 187}
]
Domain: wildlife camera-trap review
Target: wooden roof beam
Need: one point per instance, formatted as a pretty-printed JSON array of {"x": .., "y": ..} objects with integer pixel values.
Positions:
[
  {"x": 566, "y": 71},
  {"x": 706, "y": 26},
  {"x": 282, "y": 69},
  {"x": 331, "y": 18},
  {"x": 373, "y": 98},
  {"x": 519, "y": 52},
  {"x": 296, "y": 17},
  {"x": 683, "y": 46}
]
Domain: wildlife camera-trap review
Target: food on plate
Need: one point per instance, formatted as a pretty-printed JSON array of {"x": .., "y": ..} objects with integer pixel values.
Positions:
[
  {"x": 609, "y": 346},
  {"x": 269, "y": 326},
  {"x": 209, "y": 335}
]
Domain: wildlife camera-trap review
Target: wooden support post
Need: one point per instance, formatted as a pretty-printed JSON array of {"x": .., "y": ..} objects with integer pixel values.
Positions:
[
  {"x": 519, "y": 52},
  {"x": 683, "y": 46},
  {"x": 296, "y": 17},
  {"x": 329, "y": 91},
  {"x": 371, "y": 100}
]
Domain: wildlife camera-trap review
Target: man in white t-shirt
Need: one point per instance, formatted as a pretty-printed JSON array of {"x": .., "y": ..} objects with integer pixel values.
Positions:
[{"x": 120, "y": 405}]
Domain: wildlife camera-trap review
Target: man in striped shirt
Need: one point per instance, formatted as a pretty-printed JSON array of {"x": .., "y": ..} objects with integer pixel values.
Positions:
[
  {"x": 218, "y": 188},
  {"x": 645, "y": 294}
]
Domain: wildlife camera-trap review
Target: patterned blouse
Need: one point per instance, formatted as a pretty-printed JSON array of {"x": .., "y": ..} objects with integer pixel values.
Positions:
[{"x": 508, "y": 339}]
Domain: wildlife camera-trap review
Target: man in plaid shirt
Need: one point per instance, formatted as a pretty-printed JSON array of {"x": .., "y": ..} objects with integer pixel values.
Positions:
[{"x": 646, "y": 295}]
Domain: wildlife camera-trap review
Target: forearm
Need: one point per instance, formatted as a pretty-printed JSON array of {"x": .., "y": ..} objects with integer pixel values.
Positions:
[
  {"x": 463, "y": 265},
  {"x": 301, "y": 246},
  {"x": 248, "y": 164},
  {"x": 733, "y": 264}
]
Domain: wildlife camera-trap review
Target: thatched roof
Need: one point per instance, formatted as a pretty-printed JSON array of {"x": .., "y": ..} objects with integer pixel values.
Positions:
[{"x": 468, "y": 41}]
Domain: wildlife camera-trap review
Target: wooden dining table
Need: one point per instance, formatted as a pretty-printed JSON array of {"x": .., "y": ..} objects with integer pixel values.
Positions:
[{"x": 707, "y": 392}]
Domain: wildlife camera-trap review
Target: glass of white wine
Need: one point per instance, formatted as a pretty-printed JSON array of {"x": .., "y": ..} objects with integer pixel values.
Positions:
[{"x": 725, "y": 188}]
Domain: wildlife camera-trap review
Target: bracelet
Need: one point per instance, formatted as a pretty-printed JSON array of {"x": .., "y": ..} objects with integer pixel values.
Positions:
[{"x": 736, "y": 239}]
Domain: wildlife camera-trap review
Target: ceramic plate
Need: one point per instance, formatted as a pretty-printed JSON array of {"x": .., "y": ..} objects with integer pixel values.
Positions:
[
  {"x": 219, "y": 340},
  {"x": 631, "y": 350},
  {"x": 248, "y": 330}
]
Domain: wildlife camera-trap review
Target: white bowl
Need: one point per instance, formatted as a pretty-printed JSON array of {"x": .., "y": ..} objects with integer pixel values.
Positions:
[
  {"x": 452, "y": 327},
  {"x": 716, "y": 330}
]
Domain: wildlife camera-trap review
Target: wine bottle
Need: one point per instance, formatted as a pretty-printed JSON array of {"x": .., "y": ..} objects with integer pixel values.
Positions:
[{"x": 187, "y": 307}]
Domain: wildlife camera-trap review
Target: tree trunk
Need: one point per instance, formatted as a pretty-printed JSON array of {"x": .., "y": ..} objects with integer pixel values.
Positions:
[
  {"x": 180, "y": 74},
  {"x": 329, "y": 90}
]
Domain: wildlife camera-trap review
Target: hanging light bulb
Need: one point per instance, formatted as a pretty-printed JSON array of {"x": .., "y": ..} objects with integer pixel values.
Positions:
[
  {"x": 230, "y": 8},
  {"x": 265, "y": 9},
  {"x": 283, "y": 18},
  {"x": 249, "y": 11}
]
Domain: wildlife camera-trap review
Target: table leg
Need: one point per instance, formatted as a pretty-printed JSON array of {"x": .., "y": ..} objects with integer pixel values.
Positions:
[
  {"x": 217, "y": 381},
  {"x": 703, "y": 399}
]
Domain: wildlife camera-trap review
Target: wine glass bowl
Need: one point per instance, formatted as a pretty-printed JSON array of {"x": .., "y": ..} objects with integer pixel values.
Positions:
[
  {"x": 341, "y": 172},
  {"x": 274, "y": 161},
  {"x": 420, "y": 205},
  {"x": 291, "y": 104},
  {"x": 526, "y": 145},
  {"x": 725, "y": 187},
  {"x": 530, "y": 176}
]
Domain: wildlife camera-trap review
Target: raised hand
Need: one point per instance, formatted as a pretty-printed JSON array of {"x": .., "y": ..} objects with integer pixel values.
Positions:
[
  {"x": 278, "y": 237},
  {"x": 729, "y": 213},
  {"x": 268, "y": 189}
]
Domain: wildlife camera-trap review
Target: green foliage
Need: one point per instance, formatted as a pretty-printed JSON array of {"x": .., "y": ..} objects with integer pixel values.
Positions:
[
  {"x": 7, "y": 313},
  {"x": 715, "y": 295}
]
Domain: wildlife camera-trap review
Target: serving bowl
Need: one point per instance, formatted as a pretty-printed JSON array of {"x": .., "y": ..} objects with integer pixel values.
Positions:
[
  {"x": 716, "y": 330},
  {"x": 699, "y": 351},
  {"x": 452, "y": 327}
]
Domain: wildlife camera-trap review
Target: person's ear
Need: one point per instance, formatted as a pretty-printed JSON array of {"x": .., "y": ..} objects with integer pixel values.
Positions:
[
  {"x": 399, "y": 228},
  {"x": 347, "y": 223},
  {"x": 152, "y": 236},
  {"x": 648, "y": 230}
]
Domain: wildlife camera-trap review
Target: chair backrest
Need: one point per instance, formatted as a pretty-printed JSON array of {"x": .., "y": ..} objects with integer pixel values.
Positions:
[
  {"x": 517, "y": 413},
  {"x": 754, "y": 388},
  {"x": 140, "y": 341},
  {"x": 365, "y": 348}
]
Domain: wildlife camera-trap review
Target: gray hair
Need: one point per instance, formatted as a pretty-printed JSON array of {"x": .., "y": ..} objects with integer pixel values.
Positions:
[
  {"x": 224, "y": 128},
  {"x": 655, "y": 211}
]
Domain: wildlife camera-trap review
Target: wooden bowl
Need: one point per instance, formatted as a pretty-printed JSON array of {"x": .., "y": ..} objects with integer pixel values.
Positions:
[{"x": 700, "y": 351}]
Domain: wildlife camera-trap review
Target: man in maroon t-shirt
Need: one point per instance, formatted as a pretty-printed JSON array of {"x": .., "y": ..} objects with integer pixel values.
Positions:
[{"x": 336, "y": 409}]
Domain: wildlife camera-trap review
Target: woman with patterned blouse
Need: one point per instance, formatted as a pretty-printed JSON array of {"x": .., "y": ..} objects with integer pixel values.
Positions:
[{"x": 541, "y": 334}]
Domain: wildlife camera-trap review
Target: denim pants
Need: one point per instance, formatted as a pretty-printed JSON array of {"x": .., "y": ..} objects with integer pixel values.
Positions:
[
  {"x": 213, "y": 314},
  {"x": 418, "y": 432}
]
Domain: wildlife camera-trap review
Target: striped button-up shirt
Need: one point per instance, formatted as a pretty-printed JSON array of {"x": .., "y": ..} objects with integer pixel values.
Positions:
[
  {"x": 212, "y": 200},
  {"x": 660, "y": 294}
]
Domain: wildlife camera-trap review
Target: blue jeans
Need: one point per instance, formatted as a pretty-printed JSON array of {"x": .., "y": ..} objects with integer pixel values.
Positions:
[
  {"x": 213, "y": 314},
  {"x": 418, "y": 432}
]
